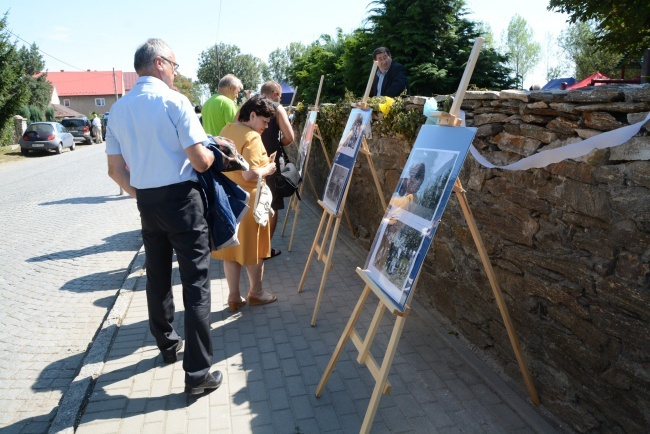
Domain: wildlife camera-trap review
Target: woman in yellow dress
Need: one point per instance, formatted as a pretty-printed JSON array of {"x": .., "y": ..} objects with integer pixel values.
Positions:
[{"x": 255, "y": 240}]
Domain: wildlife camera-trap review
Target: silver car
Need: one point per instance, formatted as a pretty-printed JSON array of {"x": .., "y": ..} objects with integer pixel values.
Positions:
[{"x": 46, "y": 135}]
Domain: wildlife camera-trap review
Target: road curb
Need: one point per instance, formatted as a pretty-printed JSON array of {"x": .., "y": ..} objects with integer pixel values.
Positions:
[{"x": 74, "y": 399}]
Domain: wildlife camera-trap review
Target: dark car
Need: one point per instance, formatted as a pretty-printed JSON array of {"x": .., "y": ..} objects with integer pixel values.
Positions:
[
  {"x": 80, "y": 128},
  {"x": 46, "y": 135}
]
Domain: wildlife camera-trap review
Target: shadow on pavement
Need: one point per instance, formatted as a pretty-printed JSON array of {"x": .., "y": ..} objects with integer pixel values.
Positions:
[
  {"x": 89, "y": 200},
  {"x": 114, "y": 243}
]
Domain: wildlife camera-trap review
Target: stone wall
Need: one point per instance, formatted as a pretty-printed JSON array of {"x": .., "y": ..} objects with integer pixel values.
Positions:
[{"x": 570, "y": 244}]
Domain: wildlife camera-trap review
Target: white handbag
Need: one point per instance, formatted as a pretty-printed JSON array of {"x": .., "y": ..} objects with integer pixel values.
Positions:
[{"x": 262, "y": 208}]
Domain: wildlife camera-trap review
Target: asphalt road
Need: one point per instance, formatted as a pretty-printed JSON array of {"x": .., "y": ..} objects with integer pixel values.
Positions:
[{"x": 66, "y": 242}]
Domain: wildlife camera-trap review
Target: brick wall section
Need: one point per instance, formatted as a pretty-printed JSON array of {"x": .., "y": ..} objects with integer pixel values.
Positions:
[{"x": 569, "y": 243}]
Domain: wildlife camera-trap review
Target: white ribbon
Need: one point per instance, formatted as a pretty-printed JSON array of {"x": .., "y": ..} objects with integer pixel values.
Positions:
[{"x": 609, "y": 139}]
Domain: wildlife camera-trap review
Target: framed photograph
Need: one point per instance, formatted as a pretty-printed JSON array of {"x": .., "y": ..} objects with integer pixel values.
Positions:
[
  {"x": 345, "y": 157},
  {"x": 335, "y": 186},
  {"x": 305, "y": 140},
  {"x": 354, "y": 131},
  {"x": 415, "y": 209}
]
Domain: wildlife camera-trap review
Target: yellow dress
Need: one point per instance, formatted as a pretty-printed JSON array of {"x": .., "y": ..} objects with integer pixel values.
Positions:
[{"x": 254, "y": 240}]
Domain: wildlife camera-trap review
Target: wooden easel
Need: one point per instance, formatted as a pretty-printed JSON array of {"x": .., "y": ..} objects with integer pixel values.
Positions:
[
  {"x": 318, "y": 246},
  {"x": 294, "y": 203},
  {"x": 380, "y": 373}
]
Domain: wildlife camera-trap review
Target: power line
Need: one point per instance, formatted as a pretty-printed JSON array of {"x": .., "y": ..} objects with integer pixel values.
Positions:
[{"x": 56, "y": 58}]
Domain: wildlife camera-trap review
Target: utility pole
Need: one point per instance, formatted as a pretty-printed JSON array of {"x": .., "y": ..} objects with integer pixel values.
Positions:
[{"x": 115, "y": 84}]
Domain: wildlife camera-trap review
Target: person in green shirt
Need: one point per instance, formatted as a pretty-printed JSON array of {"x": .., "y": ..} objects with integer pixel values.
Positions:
[{"x": 220, "y": 109}]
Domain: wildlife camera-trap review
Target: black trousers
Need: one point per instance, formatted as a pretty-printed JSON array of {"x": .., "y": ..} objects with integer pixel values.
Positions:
[{"x": 172, "y": 220}]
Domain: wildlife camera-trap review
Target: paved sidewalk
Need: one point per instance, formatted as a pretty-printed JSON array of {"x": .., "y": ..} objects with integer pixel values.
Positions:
[{"x": 272, "y": 361}]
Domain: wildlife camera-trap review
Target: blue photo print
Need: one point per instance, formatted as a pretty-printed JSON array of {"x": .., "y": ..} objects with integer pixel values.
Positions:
[
  {"x": 346, "y": 155},
  {"x": 415, "y": 209}
]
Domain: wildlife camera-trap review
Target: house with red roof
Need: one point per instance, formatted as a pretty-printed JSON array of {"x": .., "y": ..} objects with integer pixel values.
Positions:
[{"x": 89, "y": 91}]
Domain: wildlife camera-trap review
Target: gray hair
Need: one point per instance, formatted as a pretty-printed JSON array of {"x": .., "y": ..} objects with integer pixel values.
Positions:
[
  {"x": 230, "y": 80},
  {"x": 147, "y": 53}
]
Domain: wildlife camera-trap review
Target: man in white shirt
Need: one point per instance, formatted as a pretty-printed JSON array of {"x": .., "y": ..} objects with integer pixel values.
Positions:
[
  {"x": 155, "y": 131},
  {"x": 97, "y": 129}
]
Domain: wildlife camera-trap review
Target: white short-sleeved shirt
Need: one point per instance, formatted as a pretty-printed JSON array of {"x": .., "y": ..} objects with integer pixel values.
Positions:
[{"x": 150, "y": 127}]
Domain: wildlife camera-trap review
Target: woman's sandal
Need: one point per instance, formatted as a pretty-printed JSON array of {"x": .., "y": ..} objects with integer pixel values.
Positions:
[
  {"x": 266, "y": 298},
  {"x": 236, "y": 305}
]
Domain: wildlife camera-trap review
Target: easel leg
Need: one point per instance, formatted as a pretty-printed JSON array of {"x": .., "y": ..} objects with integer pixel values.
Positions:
[
  {"x": 286, "y": 215},
  {"x": 311, "y": 252},
  {"x": 370, "y": 335},
  {"x": 293, "y": 226},
  {"x": 328, "y": 267},
  {"x": 383, "y": 374},
  {"x": 514, "y": 340},
  {"x": 342, "y": 341}
]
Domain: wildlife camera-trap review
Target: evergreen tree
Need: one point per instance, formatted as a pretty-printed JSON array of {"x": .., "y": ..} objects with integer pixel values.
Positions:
[
  {"x": 433, "y": 40},
  {"x": 40, "y": 89},
  {"x": 13, "y": 89}
]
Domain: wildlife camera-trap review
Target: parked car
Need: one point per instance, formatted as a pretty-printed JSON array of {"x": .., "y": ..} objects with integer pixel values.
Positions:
[
  {"x": 46, "y": 135},
  {"x": 80, "y": 128}
]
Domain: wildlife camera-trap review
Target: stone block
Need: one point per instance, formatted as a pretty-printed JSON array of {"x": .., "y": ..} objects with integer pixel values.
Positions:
[
  {"x": 548, "y": 95},
  {"x": 623, "y": 107},
  {"x": 631, "y": 203},
  {"x": 584, "y": 133},
  {"x": 639, "y": 173},
  {"x": 520, "y": 95},
  {"x": 482, "y": 95},
  {"x": 538, "y": 133},
  {"x": 601, "y": 121},
  {"x": 518, "y": 144},
  {"x": 489, "y": 118},
  {"x": 637, "y": 148},
  {"x": 637, "y": 93},
  {"x": 536, "y": 119},
  {"x": 596, "y": 94},
  {"x": 564, "y": 107},
  {"x": 570, "y": 169},
  {"x": 562, "y": 125},
  {"x": 487, "y": 130}
]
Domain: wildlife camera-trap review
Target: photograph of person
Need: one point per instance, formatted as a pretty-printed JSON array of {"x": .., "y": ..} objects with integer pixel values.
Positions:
[
  {"x": 335, "y": 187},
  {"x": 394, "y": 255},
  {"x": 305, "y": 140},
  {"x": 423, "y": 181},
  {"x": 354, "y": 131}
]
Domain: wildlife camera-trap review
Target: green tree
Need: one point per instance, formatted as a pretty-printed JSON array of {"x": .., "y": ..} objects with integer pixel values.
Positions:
[
  {"x": 189, "y": 88},
  {"x": 222, "y": 59},
  {"x": 13, "y": 90},
  {"x": 522, "y": 51},
  {"x": 579, "y": 41},
  {"x": 553, "y": 59},
  {"x": 40, "y": 89},
  {"x": 433, "y": 40},
  {"x": 280, "y": 61},
  {"x": 323, "y": 57},
  {"x": 621, "y": 26}
]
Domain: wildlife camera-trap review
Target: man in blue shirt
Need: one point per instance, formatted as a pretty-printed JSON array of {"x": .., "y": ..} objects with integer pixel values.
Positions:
[
  {"x": 155, "y": 132},
  {"x": 391, "y": 79}
]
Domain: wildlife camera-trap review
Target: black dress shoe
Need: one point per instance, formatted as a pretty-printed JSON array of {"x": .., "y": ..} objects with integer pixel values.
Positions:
[
  {"x": 213, "y": 381},
  {"x": 173, "y": 356}
]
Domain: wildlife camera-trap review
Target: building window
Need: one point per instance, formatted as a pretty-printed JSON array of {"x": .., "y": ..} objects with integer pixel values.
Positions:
[
  {"x": 100, "y": 102},
  {"x": 66, "y": 103}
]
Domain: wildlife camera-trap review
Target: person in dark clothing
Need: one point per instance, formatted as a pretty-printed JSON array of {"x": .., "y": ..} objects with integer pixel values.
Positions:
[
  {"x": 391, "y": 79},
  {"x": 279, "y": 133}
]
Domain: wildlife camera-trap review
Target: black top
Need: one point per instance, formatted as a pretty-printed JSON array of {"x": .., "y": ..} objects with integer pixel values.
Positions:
[
  {"x": 271, "y": 136},
  {"x": 395, "y": 81}
]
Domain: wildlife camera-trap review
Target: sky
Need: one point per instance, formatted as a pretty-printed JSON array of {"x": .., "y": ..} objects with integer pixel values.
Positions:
[{"x": 100, "y": 36}]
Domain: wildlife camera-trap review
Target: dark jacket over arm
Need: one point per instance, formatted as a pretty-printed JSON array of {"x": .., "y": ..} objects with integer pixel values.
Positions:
[{"x": 394, "y": 83}]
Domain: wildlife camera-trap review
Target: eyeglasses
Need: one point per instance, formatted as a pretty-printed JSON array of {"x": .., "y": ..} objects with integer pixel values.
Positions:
[{"x": 174, "y": 64}]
